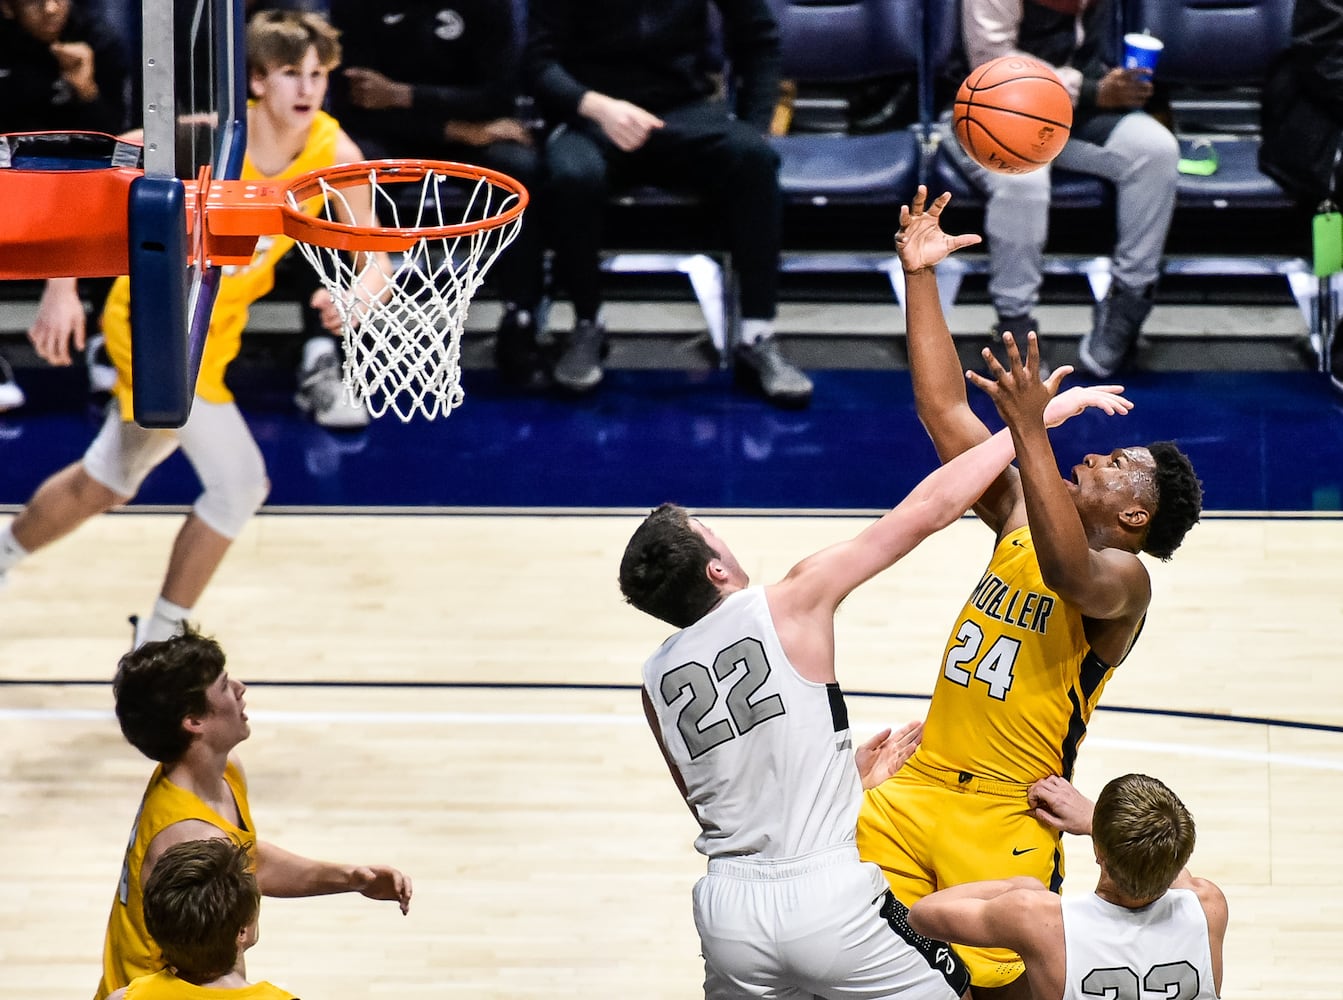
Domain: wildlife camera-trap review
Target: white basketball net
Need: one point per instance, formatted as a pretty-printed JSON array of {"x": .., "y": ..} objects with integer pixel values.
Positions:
[{"x": 402, "y": 332}]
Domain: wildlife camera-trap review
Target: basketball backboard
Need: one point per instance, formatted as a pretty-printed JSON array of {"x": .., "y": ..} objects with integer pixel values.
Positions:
[{"x": 195, "y": 114}]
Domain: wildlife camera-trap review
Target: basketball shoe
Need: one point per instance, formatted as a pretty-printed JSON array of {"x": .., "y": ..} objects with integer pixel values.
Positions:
[
  {"x": 322, "y": 395},
  {"x": 11, "y": 396}
]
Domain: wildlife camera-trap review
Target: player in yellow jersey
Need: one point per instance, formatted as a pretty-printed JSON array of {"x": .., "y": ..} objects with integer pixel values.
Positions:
[
  {"x": 1060, "y": 604},
  {"x": 290, "y": 55},
  {"x": 177, "y": 705},
  {"x": 201, "y": 905}
]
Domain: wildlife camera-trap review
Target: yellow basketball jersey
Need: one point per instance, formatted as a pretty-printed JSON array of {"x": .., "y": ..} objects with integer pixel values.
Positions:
[
  {"x": 165, "y": 986},
  {"x": 238, "y": 288},
  {"x": 1018, "y": 681},
  {"x": 128, "y": 950}
]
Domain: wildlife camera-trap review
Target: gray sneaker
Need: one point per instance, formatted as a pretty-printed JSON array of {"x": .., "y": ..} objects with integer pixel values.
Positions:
[
  {"x": 1114, "y": 335},
  {"x": 322, "y": 395},
  {"x": 762, "y": 367},
  {"x": 579, "y": 368}
]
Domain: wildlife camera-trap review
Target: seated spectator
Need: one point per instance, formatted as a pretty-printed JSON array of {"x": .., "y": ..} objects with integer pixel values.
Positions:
[
  {"x": 626, "y": 98},
  {"x": 428, "y": 82},
  {"x": 61, "y": 69},
  {"x": 201, "y": 904},
  {"x": 1112, "y": 137},
  {"x": 1302, "y": 146}
]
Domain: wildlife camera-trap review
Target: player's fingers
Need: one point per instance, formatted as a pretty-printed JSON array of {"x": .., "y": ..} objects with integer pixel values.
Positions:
[
  {"x": 920, "y": 197},
  {"x": 407, "y": 890},
  {"x": 940, "y": 203},
  {"x": 1013, "y": 354},
  {"x": 967, "y": 240},
  {"x": 980, "y": 381}
]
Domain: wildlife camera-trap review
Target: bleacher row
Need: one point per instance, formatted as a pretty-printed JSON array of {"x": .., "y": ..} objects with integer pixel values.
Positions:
[{"x": 1216, "y": 56}]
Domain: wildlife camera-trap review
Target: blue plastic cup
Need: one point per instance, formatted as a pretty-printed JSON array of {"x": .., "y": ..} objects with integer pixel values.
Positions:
[{"x": 1141, "y": 51}]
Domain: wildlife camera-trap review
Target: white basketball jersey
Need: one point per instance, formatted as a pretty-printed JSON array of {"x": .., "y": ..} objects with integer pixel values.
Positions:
[
  {"x": 765, "y": 754},
  {"x": 1159, "y": 951}
]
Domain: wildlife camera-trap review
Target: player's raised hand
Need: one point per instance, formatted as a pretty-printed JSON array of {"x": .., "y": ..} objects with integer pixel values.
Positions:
[
  {"x": 1016, "y": 390},
  {"x": 921, "y": 242}
]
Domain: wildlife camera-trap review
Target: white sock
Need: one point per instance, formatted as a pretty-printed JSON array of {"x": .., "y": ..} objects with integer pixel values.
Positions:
[
  {"x": 11, "y": 552},
  {"x": 164, "y": 622},
  {"x": 753, "y": 331},
  {"x": 315, "y": 348}
]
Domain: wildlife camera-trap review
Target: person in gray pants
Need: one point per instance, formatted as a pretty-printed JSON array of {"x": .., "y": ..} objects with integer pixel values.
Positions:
[{"x": 1112, "y": 137}]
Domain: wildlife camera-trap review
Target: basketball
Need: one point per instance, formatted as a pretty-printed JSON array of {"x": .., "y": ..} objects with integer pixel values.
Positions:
[{"x": 1012, "y": 115}]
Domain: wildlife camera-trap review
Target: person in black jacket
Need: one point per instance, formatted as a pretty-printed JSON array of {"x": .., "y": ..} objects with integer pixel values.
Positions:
[
  {"x": 439, "y": 80},
  {"x": 625, "y": 91},
  {"x": 61, "y": 69}
]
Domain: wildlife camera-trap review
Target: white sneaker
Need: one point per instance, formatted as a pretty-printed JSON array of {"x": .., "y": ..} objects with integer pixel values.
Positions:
[
  {"x": 102, "y": 373},
  {"x": 11, "y": 396},
  {"x": 322, "y": 395}
]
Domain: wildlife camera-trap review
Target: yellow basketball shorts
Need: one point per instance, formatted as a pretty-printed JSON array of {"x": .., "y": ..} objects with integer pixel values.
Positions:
[{"x": 928, "y": 830}]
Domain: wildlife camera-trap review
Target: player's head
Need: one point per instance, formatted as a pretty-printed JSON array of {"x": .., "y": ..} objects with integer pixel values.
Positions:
[
  {"x": 293, "y": 46},
  {"x": 1143, "y": 836},
  {"x": 201, "y": 903},
  {"x": 44, "y": 20},
  {"x": 1149, "y": 496},
  {"x": 674, "y": 568},
  {"x": 173, "y": 692}
]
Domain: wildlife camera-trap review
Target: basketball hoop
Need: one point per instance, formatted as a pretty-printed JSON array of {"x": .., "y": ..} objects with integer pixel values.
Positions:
[
  {"x": 402, "y": 331},
  {"x": 68, "y": 195}
]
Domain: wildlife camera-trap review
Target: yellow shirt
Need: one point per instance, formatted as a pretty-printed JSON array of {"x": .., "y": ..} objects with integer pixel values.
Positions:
[
  {"x": 128, "y": 950},
  {"x": 1019, "y": 680},
  {"x": 165, "y": 986},
  {"x": 239, "y": 287}
]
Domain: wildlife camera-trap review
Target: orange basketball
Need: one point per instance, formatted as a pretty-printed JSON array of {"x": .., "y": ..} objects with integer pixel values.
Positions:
[{"x": 1012, "y": 115}]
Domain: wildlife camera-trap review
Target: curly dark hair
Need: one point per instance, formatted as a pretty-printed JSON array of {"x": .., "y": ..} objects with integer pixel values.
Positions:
[
  {"x": 1179, "y": 500},
  {"x": 161, "y": 683},
  {"x": 662, "y": 570}
]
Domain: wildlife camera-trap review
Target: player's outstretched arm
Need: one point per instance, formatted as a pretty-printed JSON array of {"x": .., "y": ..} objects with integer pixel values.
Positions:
[
  {"x": 1107, "y": 584},
  {"x": 826, "y": 578},
  {"x": 284, "y": 874}
]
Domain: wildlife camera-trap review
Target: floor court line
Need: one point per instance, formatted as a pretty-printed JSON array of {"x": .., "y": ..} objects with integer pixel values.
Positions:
[{"x": 484, "y": 718}]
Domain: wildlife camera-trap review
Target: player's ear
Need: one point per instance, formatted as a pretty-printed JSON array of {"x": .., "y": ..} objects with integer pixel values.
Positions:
[{"x": 1135, "y": 518}]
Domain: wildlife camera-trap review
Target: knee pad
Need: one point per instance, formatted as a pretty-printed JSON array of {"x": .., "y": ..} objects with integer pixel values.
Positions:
[{"x": 228, "y": 503}]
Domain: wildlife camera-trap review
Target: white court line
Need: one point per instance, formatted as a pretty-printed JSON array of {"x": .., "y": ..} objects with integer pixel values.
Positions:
[{"x": 320, "y": 718}]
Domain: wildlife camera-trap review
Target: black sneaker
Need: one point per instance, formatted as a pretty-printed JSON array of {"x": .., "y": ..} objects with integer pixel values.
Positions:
[
  {"x": 1114, "y": 335},
  {"x": 582, "y": 351},
  {"x": 761, "y": 366},
  {"x": 516, "y": 354}
]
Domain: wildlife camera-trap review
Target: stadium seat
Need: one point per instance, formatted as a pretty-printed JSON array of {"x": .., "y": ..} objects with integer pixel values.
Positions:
[
  {"x": 1215, "y": 57},
  {"x": 846, "y": 43}
]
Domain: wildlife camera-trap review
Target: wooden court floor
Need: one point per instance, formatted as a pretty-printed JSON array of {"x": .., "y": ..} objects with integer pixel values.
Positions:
[{"x": 470, "y": 717}]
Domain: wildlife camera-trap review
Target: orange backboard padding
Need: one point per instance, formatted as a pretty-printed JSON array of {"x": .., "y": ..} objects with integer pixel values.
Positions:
[{"x": 65, "y": 223}]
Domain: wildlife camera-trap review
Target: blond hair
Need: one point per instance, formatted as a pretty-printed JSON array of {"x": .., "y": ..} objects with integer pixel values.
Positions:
[
  {"x": 1143, "y": 835},
  {"x": 283, "y": 37}
]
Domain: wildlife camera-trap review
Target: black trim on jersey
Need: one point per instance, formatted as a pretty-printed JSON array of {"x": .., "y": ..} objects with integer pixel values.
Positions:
[
  {"x": 839, "y": 712},
  {"x": 1056, "y": 876},
  {"x": 940, "y": 956},
  {"x": 1093, "y": 672}
]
